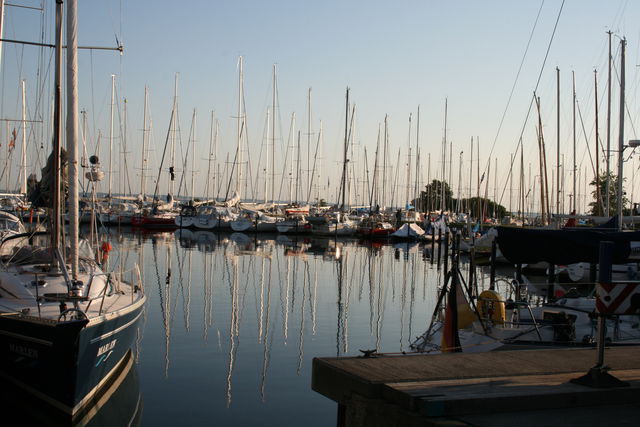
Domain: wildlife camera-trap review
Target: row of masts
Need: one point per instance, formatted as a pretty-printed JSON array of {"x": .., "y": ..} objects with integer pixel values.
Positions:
[{"x": 376, "y": 187}]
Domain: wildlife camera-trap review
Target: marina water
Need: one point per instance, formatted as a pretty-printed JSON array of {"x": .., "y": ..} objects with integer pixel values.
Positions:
[{"x": 233, "y": 321}]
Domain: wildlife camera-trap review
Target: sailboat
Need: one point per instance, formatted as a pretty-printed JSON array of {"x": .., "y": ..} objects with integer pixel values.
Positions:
[
  {"x": 66, "y": 326},
  {"x": 163, "y": 215}
]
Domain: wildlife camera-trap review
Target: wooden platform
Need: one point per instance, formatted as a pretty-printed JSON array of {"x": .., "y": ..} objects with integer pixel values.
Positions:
[{"x": 480, "y": 389}]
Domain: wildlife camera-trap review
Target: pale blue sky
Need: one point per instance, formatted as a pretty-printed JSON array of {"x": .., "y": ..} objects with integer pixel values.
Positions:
[{"x": 393, "y": 55}]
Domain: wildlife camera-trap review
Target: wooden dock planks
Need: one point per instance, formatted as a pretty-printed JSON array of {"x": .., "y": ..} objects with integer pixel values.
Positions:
[{"x": 439, "y": 387}]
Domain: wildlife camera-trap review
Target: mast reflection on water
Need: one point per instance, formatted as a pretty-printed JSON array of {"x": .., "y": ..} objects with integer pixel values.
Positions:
[{"x": 273, "y": 303}]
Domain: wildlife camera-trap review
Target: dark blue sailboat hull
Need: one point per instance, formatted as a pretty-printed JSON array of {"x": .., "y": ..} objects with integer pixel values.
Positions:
[{"x": 67, "y": 363}]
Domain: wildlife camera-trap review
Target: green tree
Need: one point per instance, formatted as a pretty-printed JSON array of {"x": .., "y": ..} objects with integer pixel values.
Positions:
[
  {"x": 431, "y": 200},
  {"x": 483, "y": 207},
  {"x": 598, "y": 208},
  {"x": 431, "y": 197}
]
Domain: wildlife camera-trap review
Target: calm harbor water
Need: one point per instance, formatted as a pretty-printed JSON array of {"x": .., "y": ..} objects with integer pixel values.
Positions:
[{"x": 233, "y": 321}]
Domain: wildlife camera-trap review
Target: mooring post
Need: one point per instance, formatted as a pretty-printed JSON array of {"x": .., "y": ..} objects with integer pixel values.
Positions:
[{"x": 604, "y": 277}]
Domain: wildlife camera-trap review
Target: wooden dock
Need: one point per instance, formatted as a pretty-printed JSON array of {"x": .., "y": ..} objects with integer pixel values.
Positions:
[{"x": 520, "y": 387}]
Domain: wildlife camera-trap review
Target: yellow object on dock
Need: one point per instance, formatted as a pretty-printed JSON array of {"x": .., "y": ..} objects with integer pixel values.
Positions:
[{"x": 492, "y": 307}]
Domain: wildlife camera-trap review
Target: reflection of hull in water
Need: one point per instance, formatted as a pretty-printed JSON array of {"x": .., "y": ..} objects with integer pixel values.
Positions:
[
  {"x": 118, "y": 403},
  {"x": 203, "y": 240},
  {"x": 184, "y": 221},
  {"x": 240, "y": 238},
  {"x": 245, "y": 225}
]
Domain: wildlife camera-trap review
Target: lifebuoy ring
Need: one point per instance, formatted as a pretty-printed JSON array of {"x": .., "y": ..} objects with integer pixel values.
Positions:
[{"x": 491, "y": 306}]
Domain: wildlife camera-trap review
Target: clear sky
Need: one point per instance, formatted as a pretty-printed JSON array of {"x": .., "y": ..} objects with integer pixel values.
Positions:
[{"x": 393, "y": 55}]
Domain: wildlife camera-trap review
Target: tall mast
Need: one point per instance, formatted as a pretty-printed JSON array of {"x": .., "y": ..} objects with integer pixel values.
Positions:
[
  {"x": 23, "y": 159},
  {"x": 309, "y": 171},
  {"x": 320, "y": 141},
  {"x": 470, "y": 178},
  {"x": 273, "y": 138},
  {"x": 575, "y": 168},
  {"x": 450, "y": 181},
  {"x": 458, "y": 208},
  {"x": 113, "y": 91},
  {"x": 346, "y": 144},
  {"x": 608, "y": 154},
  {"x": 522, "y": 187},
  {"x": 1, "y": 27},
  {"x": 125, "y": 187},
  {"x": 429, "y": 194},
  {"x": 620, "y": 195},
  {"x": 478, "y": 180},
  {"x": 298, "y": 168},
  {"x": 416, "y": 193},
  {"x": 384, "y": 161},
  {"x": 216, "y": 174},
  {"x": 543, "y": 204},
  {"x": 72, "y": 131},
  {"x": 597, "y": 147},
  {"x": 240, "y": 123},
  {"x": 558, "y": 141},
  {"x": 57, "y": 132},
  {"x": 510, "y": 183},
  {"x": 408, "y": 164},
  {"x": 444, "y": 158},
  {"x": 292, "y": 146},
  {"x": 495, "y": 186},
  {"x": 266, "y": 170},
  {"x": 173, "y": 131},
  {"x": 143, "y": 163},
  {"x": 207, "y": 186},
  {"x": 193, "y": 153}
]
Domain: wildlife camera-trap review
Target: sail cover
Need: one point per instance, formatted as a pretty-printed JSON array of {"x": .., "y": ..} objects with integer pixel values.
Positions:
[{"x": 561, "y": 247}]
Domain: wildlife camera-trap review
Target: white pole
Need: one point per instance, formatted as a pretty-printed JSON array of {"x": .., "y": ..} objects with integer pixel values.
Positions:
[
  {"x": 72, "y": 130},
  {"x": 144, "y": 143},
  {"x": 113, "y": 90},
  {"x": 1, "y": 28},
  {"x": 23, "y": 159},
  {"x": 623, "y": 44}
]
